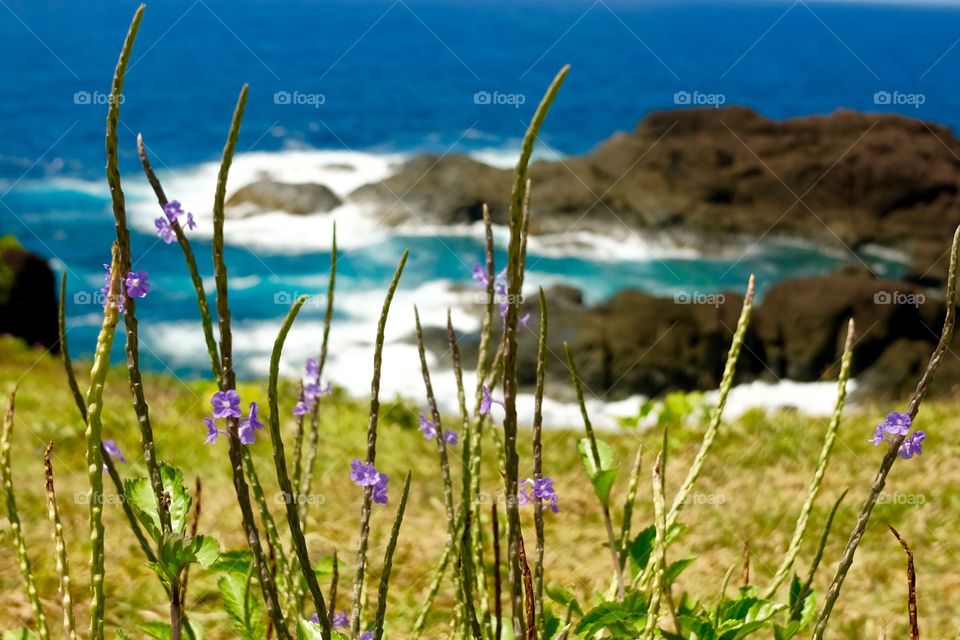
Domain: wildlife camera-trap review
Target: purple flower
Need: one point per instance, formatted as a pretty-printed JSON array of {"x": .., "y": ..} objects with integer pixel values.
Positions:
[
  {"x": 172, "y": 210},
  {"x": 897, "y": 423},
  {"x": 912, "y": 445},
  {"x": 302, "y": 408},
  {"x": 314, "y": 390},
  {"x": 480, "y": 275},
  {"x": 315, "y": 619},
  {"x": 877, "y": 435},
  {"x": 165, "y": 231},
  {"x": 313, "y": 368},
  {"x": 137, "y": 285},
  {"x": 542, "y": 489},
  {"x": 212, "y": 431},
  {"x": 340, "y": 619},
  {"x": 366, "y": 635},
  {"x": 450, "y": 437},
  {"x": 113, "y": 450},
  {"x": 487, "y": 402},
  {"x": 362, "y": 474},
  {"x": 380, "y": 489},
  {"x": 427, "y": 428},
  {"x": 226, "y": 404},
  {"x": 249, "y": 425},
  {"x": 525, "y": 320},
  {"x": 191, "y": 223}
]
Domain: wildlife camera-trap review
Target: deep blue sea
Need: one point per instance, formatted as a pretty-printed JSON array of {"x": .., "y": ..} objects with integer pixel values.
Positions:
[{"x": 363, "y": 83}]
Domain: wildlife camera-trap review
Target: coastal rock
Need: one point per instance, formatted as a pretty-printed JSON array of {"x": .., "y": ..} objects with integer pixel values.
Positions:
[
  {"x": 847, "y": 180},
  {"x": 28, "y": 302},
  {"x": 448, "y": 189},
  {"x": 270, "y": 195}
]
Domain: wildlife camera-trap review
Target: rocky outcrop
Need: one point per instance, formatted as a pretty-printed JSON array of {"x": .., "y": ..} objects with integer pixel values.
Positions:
[
  {"x": 270, "y": 195},
  {"x": 637, "y": 343},
  {"x": 847, "y": 180},
  {"x": 28, "y": 303}
]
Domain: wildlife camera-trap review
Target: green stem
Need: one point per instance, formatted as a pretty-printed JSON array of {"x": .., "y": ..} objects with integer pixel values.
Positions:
[
  {"x": 23, "y": 560},
  {"x": 388, "y": 561},
  {"x": 63, "y": 561}
]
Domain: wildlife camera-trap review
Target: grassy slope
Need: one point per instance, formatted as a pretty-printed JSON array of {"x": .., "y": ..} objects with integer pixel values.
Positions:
[{"x": 750, "y": 491}]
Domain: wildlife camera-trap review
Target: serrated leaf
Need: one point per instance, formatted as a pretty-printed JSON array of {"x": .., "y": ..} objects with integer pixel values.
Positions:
[
  {"x": 141, "y": 498},
  {"x": 242, "y": 607},
  {"x": 625, "y": 618},
  {"x": 177, "y": 551},
  {"x": 564, "y": 597},
  {"x": 238, "y": 561},
  {"x": 602, "y": 476}
]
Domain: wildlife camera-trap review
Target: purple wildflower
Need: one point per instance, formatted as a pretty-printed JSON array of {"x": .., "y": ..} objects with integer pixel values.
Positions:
[
  {"x": 340, "y": 619},
  {"x": 226, "y": 404},
  {"x": 191, "y": 223},
  {"x": 245, "y": 433},
  {"x": 912, "y": 445},
  {"x": 487, "y": 402},
  {"x": 302, "y": 408},
  {"x": 366, "y": 635},
  {"x": 165, "y": 230},
  {"x": 380, "y": 489},
  {"x": 315, "y": 619},
  {"x": 541, "y": 489},
  {"x": 212, "y": 431},
  {"x": 314, "y": 390},
  {"x": 110, "y": 446},
  {"x": 450, "y": 437},
  {"x": 363, "y": 475},
  {"x": 480, "y": 275},
  {"x": 313, "y": 368},
  {"x": 172, "y": 210},
  {"x": 877, "y": 435},
  {"x": 427, "y": 428},
  {"x": 137, "y": 285},
  {"x": 525, "y": 320},
  {"x": 897, "y": 423}
]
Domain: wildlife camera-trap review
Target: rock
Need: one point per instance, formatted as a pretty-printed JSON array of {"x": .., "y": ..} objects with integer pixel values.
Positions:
[
  {"x": 802, "y": 323},
  {"x": 846, "y": 180},
  {"x": 270, "y": 195},
  {"x": 28, "y": 301},
  {"x": 447, "y": 189}
]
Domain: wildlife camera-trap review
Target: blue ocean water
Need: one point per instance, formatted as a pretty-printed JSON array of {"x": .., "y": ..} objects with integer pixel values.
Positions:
[{"x": 382, "y": 77}]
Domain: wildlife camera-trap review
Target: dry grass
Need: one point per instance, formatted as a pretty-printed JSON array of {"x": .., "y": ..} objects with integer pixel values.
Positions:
[{"x": 751, "y": 490}]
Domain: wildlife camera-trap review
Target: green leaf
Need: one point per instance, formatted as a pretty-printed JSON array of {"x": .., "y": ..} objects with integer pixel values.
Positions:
[
  {"x": 140, "y": 496},
  {"x": 622, "y": 619},
  {"x": 157, "y": 630},
  {"x": 674, "y": 569},
  {"x": 178, "y": 551},
  {"x": 243, "y": 607},
  {"x": 238, "y": 561},
  {"x": 641, "y": 548},
  {"x": 564, "y": 598},
  {"x": 19, "y": 634},
  {"x": 325, "y": 566},
  {"x": 601, "y": 477}
]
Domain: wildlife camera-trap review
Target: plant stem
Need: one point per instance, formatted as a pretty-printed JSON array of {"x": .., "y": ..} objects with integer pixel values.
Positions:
[
  {"x": 801, "y": 527},
  {"x": 16, "y": 529},
  {"x": 388, "y": 561},
  {"x": 372, "y": 449},
  {"x": 63, "y": 561},
  {"x": 946, "y": 336},
  {"x": 538, "y": 465}
]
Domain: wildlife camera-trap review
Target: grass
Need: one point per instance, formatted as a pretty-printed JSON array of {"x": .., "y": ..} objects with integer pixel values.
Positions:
[{"x": 751, "y": 491}]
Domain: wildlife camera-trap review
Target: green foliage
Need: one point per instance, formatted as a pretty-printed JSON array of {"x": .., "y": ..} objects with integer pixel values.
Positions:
[
  {"x": 19, "y": 634},
  {"x": 242, "y": 605},
  {"x": 162, "y": 631},
  {"x": 602, "y": 476},
  {"x": 732, "y": 619},
  {"x": 621, "y": 620},
  {"x": 803, "y": 608},
  {"x": 177, "y": 551},
  {"x": 141, "y": 498},
  {"x": 675, "y": 407}
]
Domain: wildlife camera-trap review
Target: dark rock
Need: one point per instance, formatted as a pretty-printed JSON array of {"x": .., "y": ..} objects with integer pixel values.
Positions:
[
  {"x": 270, "y": 195},
  {"x": 846, "y": 180},
  {"x": 28, "y": 302}
]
